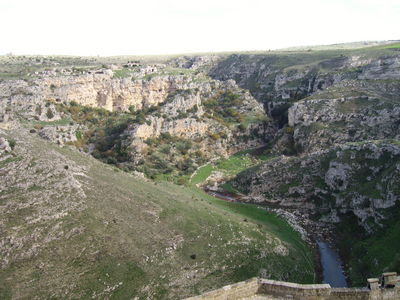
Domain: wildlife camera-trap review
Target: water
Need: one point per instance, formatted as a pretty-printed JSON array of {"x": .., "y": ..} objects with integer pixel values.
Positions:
[{"x": 331, "y": 266}]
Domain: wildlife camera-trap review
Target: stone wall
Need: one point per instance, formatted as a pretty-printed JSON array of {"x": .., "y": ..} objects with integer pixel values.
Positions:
[
  {"x": 387, "y": 289},
  {"x": 241, "y": 290}
]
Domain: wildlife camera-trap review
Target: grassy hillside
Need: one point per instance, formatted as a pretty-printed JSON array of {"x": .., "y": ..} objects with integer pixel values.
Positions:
[
  {"x": 230, "y": 167},
  {"x": 73, "y": 227}
]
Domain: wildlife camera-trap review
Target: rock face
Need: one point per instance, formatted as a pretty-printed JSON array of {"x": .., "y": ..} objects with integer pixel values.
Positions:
[
  {"x": 218, "y": 116},
  {"x": 383, "y": 68},
  {"x": 185, "y": 114},
  {"x": 19, "y": 97},
  {"x": 357, "y": 177},
  {"x": 98, "y": 90},
  {"x": 60, "y": 134},
  {"x": 323, "y": 120},
  {"x": 195, "y": 62},
  {"x": 339, "y": 117},
  {"x": 281, "y": 79},
  {"x": 331, "y": 101}
]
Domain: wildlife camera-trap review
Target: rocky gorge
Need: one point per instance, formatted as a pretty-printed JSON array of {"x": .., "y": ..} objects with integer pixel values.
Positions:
[
  {"x": 324, "y": 125},
  {"x": 339, "y": 141}
]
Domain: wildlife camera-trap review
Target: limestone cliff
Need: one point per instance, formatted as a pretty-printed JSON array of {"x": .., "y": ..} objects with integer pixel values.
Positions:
[
  {"x": 359, "y": 178},
  {"x": 218, "y": 116},
  {"x": 348, "y": 112},
  {"x": 281, "y": 79}
]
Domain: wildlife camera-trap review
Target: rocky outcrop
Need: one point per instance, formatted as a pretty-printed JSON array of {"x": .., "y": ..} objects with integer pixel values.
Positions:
[
  {"x": 321, "y": 122},
  {"x": 97, "y": 90},
  {"x": 184, "y": 115},
  {"x": 196, "y": 62},
  {"x": 382, "y": 68},
  {"x": 281, "y": 79},
  {"x": 358, "y": 177},
  {"x": 61, "y": 134},
  {"x": 4, "y": 145}
]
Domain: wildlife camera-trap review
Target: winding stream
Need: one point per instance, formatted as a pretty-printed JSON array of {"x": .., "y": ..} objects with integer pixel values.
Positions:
[{"x": 331, "y": 266}]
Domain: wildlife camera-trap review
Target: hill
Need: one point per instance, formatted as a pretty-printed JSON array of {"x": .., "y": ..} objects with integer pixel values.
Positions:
[{"x": 73, "y": 227}]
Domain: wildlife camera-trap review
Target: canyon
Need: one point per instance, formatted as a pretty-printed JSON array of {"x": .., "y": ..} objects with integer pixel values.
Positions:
[{"x": 116, "y": 151}]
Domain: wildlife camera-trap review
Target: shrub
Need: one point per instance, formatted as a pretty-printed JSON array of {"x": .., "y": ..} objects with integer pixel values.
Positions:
[
  {"x": 184, "y": 146},
  {"x": 12, "y": 143},
  {"x": 289, "y": 130},
  {"x": 38, "y": 109},
  {"x": 112, "y": 160},
  {"x": 78, "y": 135},
  {"x": 73, "y": 109},
  {"x": 49, "y": 113},
  {"x": 184, "y": 165},
  {"x": 215, "y": 136},
  {"x": 166, "y": 136},
  {"x": 181, "y": 181},
  {"x": 131, "y": 108},
  {"x": 166, "y": 149},
  {"x": 182, "y": 115},
  {"x": 194, "y": 109},
  {"x": 242, "y": 127}
]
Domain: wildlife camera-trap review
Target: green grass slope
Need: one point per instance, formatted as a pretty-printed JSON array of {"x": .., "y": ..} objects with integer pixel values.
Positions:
[{"x": 74, "y": 228}]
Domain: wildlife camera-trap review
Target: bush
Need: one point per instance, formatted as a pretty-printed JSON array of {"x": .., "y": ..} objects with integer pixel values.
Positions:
[
  {"x": 12, "y": 143},
  {"x": 49, "y": 114},
  {"x": 289, "y": 130},
  {"x": 215, "y": 136},
  {"x": 242, "y": 127},
  {"x": 184, "y": 146},
  {"x": 166, "y": 136},
  {"x": 181, "y": 181},
  {"x": 185, "y": 165},
  {"x": 38, "y": 109},
  {"x": 194, "y": 109},
  {"x": 166, "y": 149},
  {"x": 74, "y": 109},
  {"x": 131, "y": 108},
  {"x": 78, "y": 135}
]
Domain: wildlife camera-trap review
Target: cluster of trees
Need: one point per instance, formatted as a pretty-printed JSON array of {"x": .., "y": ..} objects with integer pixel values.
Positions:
[
  {"x": 223, "y": 108},
  {"x": 170, "y": 155}
]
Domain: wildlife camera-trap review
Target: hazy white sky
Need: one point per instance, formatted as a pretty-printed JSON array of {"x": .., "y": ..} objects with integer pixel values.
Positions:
[{"x": 116, "y": 27}]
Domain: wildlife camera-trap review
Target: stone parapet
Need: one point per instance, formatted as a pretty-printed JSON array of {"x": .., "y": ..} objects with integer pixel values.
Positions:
[
  {"x": 240, "y": 290},
  {"x": 387, "y": 289}
]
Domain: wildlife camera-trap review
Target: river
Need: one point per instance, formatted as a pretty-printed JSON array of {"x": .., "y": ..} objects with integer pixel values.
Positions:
[{"x": 331, "y": 266}]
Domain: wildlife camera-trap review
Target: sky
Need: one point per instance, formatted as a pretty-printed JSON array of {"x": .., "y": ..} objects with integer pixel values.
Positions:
[{"x": 131, "y": 27}]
